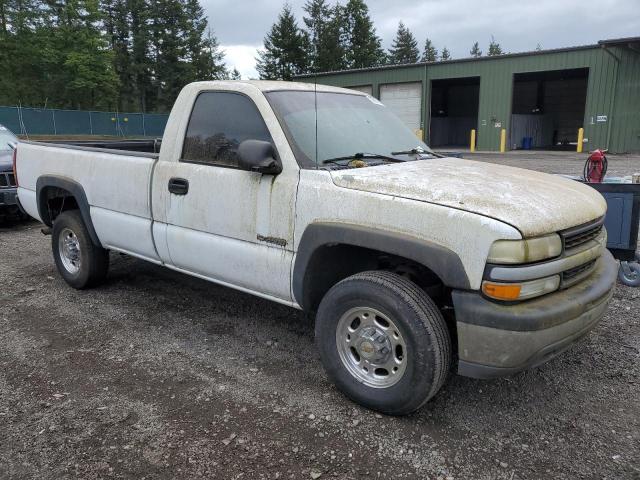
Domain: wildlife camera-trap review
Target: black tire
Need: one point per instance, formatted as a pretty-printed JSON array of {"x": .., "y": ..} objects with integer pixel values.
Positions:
[
  {"x": 93, "y": 261},
  {"x": 421, "y": 325}
]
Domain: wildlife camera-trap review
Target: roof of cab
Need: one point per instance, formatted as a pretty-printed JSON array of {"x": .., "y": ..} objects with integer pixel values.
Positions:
[{"x": 273, "y": 85}]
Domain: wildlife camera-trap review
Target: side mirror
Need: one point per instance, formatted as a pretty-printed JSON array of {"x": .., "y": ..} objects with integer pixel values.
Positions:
[{"x": 258, "y": 156}]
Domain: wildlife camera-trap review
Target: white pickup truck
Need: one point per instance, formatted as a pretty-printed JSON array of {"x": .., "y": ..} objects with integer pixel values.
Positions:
[{"x": 321, "y": 199}]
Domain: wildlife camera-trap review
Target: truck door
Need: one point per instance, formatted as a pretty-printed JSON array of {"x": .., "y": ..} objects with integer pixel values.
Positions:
[{"x": 220, "y": 222}]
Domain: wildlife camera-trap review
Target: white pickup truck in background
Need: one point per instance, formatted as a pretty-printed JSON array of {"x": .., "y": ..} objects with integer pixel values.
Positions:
[{"x": 321, "y": 199}]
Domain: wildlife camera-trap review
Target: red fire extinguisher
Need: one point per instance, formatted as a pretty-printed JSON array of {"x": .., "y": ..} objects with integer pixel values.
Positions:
[{"x": 595, "y": 168}]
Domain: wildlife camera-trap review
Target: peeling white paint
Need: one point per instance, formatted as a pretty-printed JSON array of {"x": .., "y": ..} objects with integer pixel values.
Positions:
[
  {"x": 467, "y": 234},
  {"x": 533, "y": 202}
]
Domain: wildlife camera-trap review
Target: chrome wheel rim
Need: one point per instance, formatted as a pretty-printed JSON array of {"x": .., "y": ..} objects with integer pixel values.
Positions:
[
  {"x": 371, "y": 347},
  {"x": 69, "y": 247}
]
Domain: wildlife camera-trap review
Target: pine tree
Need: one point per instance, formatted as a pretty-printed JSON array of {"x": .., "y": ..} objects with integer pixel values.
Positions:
[
  {"x": 363, "y": 48},
  {"x": 167, "y": 48},
  {"x": 203, "y": 50},
  {"x": 116, "y": 24},
  {"x": 104, "y": 54},
  {"x": 140, "y": 63},
  {"x": 445, "y": 55},
  {"x": 80, "y": 64},
  {"x": 323, "y": 27},
  {"x": 24, "y": 47},
  {"x": 475, "y": 50},
  {"x": 159, "y": 46},
  {"x": 317, "y": 15},
  {"x": 212, "y": 59},
  {"x": 430, "y": 53},
  {"x": 235, "y": 74},
  {"x": 285, "y": 49},
  {"x": 494, "y": 48},
  {"x": 404, "y": 48},
  {"x": 331, "y": 54},
  {"x": 17, "y": 16},
  {"x": 182, "y": 49}
]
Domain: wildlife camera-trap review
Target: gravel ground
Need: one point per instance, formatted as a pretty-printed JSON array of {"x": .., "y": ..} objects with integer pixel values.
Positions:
[
  {"x": 567, "y": 163},
  {"x": 159, "y": 375}
]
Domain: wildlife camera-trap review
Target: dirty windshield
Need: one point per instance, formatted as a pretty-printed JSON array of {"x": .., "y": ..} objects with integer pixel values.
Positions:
[{"x": 349, "y": 127}]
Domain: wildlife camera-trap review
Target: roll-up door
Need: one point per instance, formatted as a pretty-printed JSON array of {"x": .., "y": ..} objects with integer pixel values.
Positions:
[{"x": 405, "y": 100}]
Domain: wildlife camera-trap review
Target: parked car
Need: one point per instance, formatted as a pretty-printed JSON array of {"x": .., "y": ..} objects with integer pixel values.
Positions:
[
  {"x": 8, "y": 190},
  {"x": 321, "y": 199}
]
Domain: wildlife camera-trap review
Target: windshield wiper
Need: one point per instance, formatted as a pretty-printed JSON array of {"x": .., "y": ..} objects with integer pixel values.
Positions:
[
  {"x": 417, "y": 151},
  {"x": 362, "y": 156}
]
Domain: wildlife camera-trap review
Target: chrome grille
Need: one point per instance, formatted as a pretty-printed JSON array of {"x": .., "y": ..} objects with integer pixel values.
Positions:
[
  {"x": 577, "y": 236},
  {"x": 7, "y": 180}
]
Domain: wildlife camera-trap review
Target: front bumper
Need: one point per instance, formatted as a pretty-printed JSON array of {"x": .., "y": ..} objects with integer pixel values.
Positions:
[
  {"x": 497, "y": 339},
  {"x": 8, "y": 197}
]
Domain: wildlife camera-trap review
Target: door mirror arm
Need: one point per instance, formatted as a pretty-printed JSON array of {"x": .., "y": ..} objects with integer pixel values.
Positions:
[{"x": 258, "y": 156}]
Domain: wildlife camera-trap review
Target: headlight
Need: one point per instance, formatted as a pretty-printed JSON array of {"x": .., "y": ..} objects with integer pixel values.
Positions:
[
  {"x": 525, "y": 251},
  {"x": 521, "y": 290}
]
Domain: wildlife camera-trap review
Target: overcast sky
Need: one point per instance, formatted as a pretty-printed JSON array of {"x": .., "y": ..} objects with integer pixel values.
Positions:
[{"x": 241, "y": 25}]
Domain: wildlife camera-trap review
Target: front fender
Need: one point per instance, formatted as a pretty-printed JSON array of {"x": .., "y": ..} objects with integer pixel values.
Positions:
[{"x": 440, "y": 260}]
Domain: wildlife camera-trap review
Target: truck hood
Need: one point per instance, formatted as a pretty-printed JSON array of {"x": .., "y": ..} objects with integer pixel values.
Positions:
[{"x": 535, "y": 203}]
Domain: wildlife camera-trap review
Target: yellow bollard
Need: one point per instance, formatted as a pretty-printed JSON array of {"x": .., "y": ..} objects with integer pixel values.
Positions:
[
  {"x": 580, "y": 140},
  {"x": 503, "y": 140},
  {"x": 472, "y": 147}
]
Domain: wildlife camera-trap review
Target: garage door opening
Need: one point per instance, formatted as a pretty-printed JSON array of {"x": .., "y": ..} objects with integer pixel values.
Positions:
[
  {"x": 405, "y": 100},
  {"x": 548, "y": 109},
  {"x": 453, "y": 111}
]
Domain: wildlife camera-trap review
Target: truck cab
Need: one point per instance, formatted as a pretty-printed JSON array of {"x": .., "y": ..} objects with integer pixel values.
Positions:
[{"x": 321, "y": 199}]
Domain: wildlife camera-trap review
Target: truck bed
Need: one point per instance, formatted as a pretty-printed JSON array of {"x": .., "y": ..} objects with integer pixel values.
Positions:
[
  {"x": 115, "y": 182},
  {"x": 151, "y": 147}
]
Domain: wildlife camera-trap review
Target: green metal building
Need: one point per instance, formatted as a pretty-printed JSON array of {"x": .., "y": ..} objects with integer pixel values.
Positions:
[{"x": 540, "y": 98}]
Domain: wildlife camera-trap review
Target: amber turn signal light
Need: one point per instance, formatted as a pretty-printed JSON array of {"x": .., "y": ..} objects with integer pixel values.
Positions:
[{"x": 501, "y": 291}]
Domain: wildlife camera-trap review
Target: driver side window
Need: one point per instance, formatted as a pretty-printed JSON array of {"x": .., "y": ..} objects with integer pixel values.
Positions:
[{"x": 219, "y": 122}]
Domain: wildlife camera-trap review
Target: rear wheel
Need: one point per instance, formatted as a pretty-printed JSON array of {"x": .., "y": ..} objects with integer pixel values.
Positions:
[
  {"x": 80, "y": 262},
  {"x": 383, "y": 341}
]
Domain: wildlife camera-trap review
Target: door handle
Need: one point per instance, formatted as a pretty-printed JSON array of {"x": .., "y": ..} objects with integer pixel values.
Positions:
[{"x": 178, "y": 186}]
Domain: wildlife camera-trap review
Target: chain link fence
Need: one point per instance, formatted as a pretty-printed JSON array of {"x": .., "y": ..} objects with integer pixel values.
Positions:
[{"x": 35, "y": 121}]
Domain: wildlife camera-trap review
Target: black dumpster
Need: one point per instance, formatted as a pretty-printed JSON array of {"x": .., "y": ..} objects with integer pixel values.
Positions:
[
  {"x": 621, "y": 222},
  {"x": 623, "y": 214}
]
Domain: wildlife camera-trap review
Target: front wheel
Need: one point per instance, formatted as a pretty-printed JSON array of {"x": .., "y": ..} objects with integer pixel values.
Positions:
[
  {"x": 81, "y": 263},
  {"x": 383, "y": 342}
]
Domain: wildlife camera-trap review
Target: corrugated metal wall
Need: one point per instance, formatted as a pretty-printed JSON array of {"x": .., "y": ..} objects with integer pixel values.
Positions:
[
  {"x": 625, "y": 129},
  {"x": 613, "y": 90}
]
